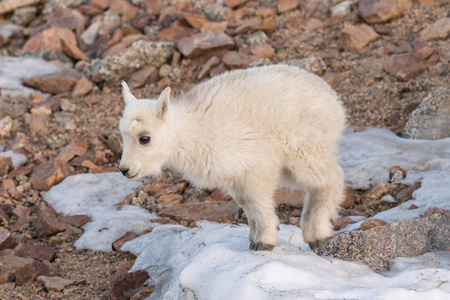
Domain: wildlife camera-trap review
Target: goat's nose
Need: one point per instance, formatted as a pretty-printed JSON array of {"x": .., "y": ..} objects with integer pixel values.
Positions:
[{"x": 124, "y": 171}]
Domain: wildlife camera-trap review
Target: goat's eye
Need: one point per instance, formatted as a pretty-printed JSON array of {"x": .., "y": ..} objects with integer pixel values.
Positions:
[{"x": 144, "y": 140}]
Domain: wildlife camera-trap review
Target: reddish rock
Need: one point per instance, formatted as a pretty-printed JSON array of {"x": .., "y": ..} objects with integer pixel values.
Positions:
[
  {"x": 93, "y": 168},
  {"x": 174, "y": 189},
  {"x": 286, "y": 5},
  {"x": 143, "y": 76},
  {"x": 37, "y": 123},
  {"x": 372, "y": 223},
  {"x": 217, "y": 195},
  {"x": 175, "y": 34},
  {"x": 263, "y": 51},
  {"x": 75, "y": 220},
  {"x": 291, "y": 198},
  {"x": 39, "y": 252},
  {"x": 77, "y": 147},
  {"x": 127, "y": 237},
  {"x": 405, "y": 67},
  {"x": 379, "y": 190},
  {"x": 154, "y": 7},
  {"x": 406, "y": 194},
  {"x": 7, "y": 241},
  {"x": 21, "y": 211},
  {"x": 47, "y": 175},
  {"x": 89, "y": 10},
  {"x": 82, "y": 87},
  {"x": 153, "y": 188},
  {"x": 203, "y": 43},
  {"x": 29, "y": 272},
  {"x": 163, "y": 221},
  {"x": 5, "y": 165},
  {"x": 6, "y": 275},
  {"x": 21, "y": 170},
  {"x": 55, "y": 283},
  {"x": 353, "y": 38},
  {"x": 234, "y": 3},
  {"x": 170, "y": 198},
  {"x": 438, "y": 30},
  {"x": 194, "y": 211},
  {"x": 342, "y": 222},
  {"x": 73, "y": 51},
  {"x": 124, "y": 281},
  {"x": 236, "y": 59},
  {"x": 49, "y": 39},
  {"x": 55, "y": 83},
  {"x": 432, "y": 210},
  {"x": 195, "y": 18},
  {"x": 213, "y": 27},
  {"x": 122, "y": 7},
  {"x": 352, "y": 212},
  {"x": 350, "y": 198},
  {"x": 102, "y": 4},
  {"x": 144, "y": 293},
  {"x": 413, "y": 206},
  {"x": 48, "y": 226},
  {"x": 211, "y": 63},
  {"x": 380, "y": 11},
  {"x": 267, "y": 26},
  {"x": 8, "y": 184},
  {"x": 13, "y": 262},
  {"x": 66, "y": 18}
]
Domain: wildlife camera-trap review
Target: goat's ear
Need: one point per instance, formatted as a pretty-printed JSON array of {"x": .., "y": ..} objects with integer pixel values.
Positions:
[
  {"x": 163, "y": 102},
  {"x": 127, "y": 95}
]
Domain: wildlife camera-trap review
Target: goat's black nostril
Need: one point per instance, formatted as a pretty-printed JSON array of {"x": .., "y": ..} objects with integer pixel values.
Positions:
[{"x": 124, "y": 171}]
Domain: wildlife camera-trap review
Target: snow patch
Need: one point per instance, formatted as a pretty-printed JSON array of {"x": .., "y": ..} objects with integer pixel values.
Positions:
[
  {"x": 17, "y": 158},
  {"x": 13, "y": 70},
  {"x": 212, "y": 261},
  {"x": 95, "y": 195},
  {"x": 368, "y": 156}
]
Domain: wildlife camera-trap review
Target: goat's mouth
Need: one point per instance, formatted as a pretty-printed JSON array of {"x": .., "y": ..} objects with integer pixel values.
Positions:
[{"x": 132, "y": 176}]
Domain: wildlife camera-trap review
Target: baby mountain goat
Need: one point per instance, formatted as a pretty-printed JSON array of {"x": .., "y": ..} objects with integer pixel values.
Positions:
[{"x": 246, "y": 132}]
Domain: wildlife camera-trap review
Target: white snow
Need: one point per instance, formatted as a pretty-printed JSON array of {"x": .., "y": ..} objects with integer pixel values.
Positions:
[
  {"x": 212, "y": 261},
  {"x": 368, "y": 156},
  {"x": 95, "y": 195},
  {"x": 13, "y": 70},
  {"x": 18, "y": 159}
]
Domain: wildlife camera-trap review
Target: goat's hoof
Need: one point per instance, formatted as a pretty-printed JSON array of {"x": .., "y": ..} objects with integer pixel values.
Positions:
[
  {"x": 261, "y": 246},
  {"x": 318, "y": 243}
]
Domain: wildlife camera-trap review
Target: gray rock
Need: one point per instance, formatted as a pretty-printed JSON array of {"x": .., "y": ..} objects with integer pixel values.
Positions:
[
  {"x": 257, "y": 38},
  {"x": 139, "y": 55},
  {"x": 216, "y": 12},
  {"x": 24, "y": 15},
  {"x": 51, "y": 6},
  {"x": 90, "y": 34},
  {"x": 406, "y": 238},
  {"x": 431, "y": 119}
]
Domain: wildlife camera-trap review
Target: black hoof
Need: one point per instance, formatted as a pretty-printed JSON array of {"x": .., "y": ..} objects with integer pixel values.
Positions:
[
  {"x": 261, "y": 246},
  {"x": 318, "y": 243}
]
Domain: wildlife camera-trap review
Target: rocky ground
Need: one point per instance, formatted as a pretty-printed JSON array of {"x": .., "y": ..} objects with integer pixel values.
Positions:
[{"x": 390, "y": 67}]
